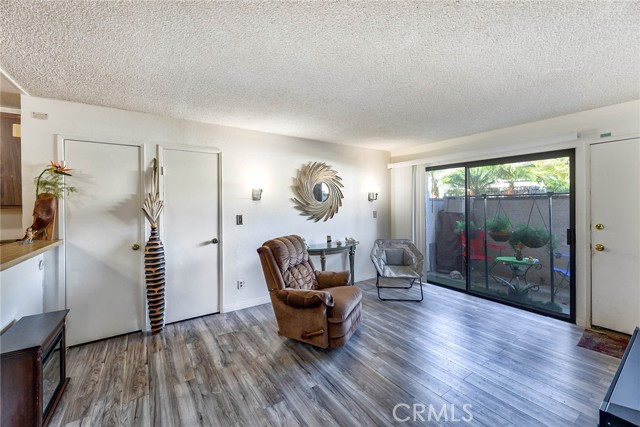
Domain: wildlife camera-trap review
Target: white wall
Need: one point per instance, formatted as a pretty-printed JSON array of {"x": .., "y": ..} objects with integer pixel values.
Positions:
[
  {"x": 545, "y": 135},
  {"x": 21, "y": 292},
  {"x": 620, "y": 119},
  {"x": 249, "y": 160},
  {"x": 401, "y": 215}
]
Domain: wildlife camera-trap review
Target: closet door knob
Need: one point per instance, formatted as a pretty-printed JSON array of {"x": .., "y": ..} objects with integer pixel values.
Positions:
[
  {"x": 214, "y": 240},
  {"x": 598, "y": 247},
  {"x": 135, "y": 246}
]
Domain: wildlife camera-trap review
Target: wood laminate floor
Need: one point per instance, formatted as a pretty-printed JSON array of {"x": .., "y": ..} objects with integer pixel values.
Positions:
[{"x": 509, "y": 367}]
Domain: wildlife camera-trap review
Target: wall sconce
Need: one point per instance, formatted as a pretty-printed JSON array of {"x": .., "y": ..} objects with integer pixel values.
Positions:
[
  {"x": 372, "y": 196},
  {"x": 256, "y": 194}
]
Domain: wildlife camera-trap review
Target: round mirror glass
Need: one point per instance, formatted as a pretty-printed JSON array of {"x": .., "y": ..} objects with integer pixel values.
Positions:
[{"x": 321, "y": 192}]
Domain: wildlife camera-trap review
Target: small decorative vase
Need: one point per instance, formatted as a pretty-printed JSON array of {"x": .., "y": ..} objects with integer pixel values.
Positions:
[
  {"x": 154, "y": 274},
  {"x": 44, "y": 215},
  {"x": 519, "y": 256}
]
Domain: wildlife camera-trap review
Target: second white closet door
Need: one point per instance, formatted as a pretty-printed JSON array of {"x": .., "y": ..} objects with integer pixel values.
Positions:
[{"x": 189, "y": 227}]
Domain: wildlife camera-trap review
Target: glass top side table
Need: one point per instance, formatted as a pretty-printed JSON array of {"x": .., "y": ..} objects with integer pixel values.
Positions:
[{"x": 323, "y": 250}]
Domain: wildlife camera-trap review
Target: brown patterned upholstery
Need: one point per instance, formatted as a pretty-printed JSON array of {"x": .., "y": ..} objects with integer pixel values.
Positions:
[{"x": 316, "y": 307}]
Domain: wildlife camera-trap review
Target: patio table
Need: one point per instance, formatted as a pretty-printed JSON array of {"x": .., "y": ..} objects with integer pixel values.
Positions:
[
  {"x": 519, "y": 269},
  {"x": 327, "y": 249}
]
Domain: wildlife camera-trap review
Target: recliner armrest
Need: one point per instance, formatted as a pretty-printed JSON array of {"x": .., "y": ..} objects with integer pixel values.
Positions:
[
  {"x": 330, "y": 279},
  {"x": 300, "y": 298}
]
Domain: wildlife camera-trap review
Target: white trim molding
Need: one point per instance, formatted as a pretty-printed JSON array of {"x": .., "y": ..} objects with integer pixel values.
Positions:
[
  {"x": 246, "y": 304},
  {"x": 556, "y": 142}
]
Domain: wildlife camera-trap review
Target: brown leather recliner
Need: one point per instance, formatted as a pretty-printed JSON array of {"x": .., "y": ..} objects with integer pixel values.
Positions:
[{"x": 316, "y": 307}]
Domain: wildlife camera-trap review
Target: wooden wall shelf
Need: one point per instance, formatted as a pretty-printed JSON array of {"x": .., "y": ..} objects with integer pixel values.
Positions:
[{"x": 12, "y": 254}]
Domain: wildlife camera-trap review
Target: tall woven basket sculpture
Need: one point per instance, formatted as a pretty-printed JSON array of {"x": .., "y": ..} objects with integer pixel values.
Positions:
[{"x": 154, "y": 257}]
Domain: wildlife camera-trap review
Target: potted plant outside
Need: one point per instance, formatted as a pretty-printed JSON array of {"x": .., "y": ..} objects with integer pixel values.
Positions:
[
  {"x": 531, "y": 237},
  {"x": 499, "y": 228},
  {"x": 473, "y": 229}
]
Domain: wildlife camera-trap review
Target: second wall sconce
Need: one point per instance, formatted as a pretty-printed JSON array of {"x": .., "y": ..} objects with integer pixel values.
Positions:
[
  {"x": 256, "y": 194},
  {"x": 372, "y": 196}
]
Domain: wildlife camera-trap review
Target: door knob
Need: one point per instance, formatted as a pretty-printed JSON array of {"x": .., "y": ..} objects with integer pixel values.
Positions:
[
  {"x": 214, "y": 240},
  {"x": 598, "y": 247},
  {"x": 135, "y": 246},
  {"x": 599, "y": 226}
]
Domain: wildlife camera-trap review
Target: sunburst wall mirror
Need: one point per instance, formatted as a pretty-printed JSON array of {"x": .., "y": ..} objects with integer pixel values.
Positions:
[{"x": 317, "y": 188}]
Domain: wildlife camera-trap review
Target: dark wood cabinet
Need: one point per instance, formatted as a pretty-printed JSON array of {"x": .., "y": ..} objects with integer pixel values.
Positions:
[
  {"x": 33, "y": 369},
  {"x": 10, "y": 162},
  {"x": 621, "y": 404}
]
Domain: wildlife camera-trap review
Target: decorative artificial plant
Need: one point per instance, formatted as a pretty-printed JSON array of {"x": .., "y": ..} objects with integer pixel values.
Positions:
[
  {"x": 50, "y": 186},
  {"x": 154, "y": 256},
  {"x": 50, "y": 181}
]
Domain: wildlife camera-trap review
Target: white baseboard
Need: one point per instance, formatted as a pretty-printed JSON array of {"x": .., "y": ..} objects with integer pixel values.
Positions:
[{"x": 246, "y": 304}]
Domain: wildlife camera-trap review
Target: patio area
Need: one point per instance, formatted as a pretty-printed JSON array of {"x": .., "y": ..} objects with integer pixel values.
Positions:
[
  {"x": 539, "y": 278},
  {"x": 537, "y": 296}
]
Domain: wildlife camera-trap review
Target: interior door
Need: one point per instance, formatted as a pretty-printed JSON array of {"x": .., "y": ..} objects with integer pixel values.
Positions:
[
  {"x": 102, "y": 223},
  {"x": 615, "y": 224},
  {"x": 190, "y": 231}
]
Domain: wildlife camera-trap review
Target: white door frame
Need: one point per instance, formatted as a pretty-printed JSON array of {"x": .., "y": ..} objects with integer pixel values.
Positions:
[
  {"x": 587, "y": 215},
  {"x": 60, "y": 145},
  {"x": 201, "y": 149}
]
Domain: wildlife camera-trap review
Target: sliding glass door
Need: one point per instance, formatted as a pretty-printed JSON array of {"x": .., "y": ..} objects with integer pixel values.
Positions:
[{"x": 503, "y": 229}]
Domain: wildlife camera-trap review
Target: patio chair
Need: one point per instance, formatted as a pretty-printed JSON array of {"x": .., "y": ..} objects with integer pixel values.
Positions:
[
  {"x": 564, "y": 273},
  {"x": 397, "y": 259},
  {"x": 476, "y": 248}
]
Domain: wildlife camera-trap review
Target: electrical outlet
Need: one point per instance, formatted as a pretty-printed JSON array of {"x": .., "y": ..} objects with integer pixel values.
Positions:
[
  {"x": 375, "y": 214},
  {"x": 238, "y": 219},
  {"x": 241, "y": 284}
]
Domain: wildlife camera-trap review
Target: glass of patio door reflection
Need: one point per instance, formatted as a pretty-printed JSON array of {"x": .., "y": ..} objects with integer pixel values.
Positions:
[
  {"x": 532, "y": 266},
  {"x": 445, "y": 218}
]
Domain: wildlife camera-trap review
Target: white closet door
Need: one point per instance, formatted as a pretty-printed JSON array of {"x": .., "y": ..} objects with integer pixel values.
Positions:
[
  {"x": 615, "y": 271},
  {"x": 103, "y": 222},
  {"x": 189, "y": 227}
]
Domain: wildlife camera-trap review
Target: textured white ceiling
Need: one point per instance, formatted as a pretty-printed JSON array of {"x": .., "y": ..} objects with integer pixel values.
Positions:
[{"x": 383, "y": 75}]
